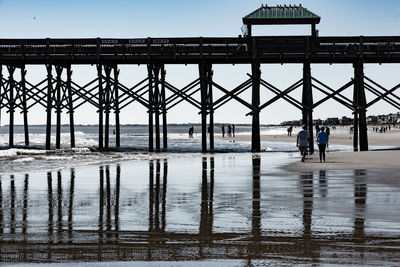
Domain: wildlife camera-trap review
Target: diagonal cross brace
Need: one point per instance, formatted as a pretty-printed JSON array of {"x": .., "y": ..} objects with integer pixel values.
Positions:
[
  {"x": 280, "y": 95},
  {"x": 381, "y": 96},
  {"x": 344, "y": 101},
  {"x": 237, "y": 91},
  {"x": 183, "y": 95},
  {"x": 229, "y": 93},
  {"x": 384, "y": 89},
  {"x": 288, "y": 98},
  {"x": 135, "y": 96},
  {"x": 332, "y": 95},
  {"x": 385, "y": 95}
]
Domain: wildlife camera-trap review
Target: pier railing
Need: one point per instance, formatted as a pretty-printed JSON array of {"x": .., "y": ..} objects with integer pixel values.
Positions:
[{"x": 271, "y": 49}]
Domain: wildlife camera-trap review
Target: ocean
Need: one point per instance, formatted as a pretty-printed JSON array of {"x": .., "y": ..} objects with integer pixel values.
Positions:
[{"x": 134, "y": 145}]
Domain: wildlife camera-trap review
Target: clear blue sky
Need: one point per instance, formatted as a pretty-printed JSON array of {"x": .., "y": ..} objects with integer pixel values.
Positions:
[{"x": 143, "y": 18}]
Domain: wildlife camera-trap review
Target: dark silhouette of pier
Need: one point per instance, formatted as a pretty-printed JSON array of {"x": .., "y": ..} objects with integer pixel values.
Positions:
[{"x": 58, "y": 92}]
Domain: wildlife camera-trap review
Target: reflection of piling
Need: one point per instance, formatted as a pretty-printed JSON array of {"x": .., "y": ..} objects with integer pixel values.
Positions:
[
  {"x": 108, "y": 203},
  {"x": 1, "y": 209},
  {"x": 254, "y": 246},
  {"x": 157, "y": 196},
  {"x": 360, "y": 196},
  {"x": 71, "y": 204},
  {"x": 59, "y": 206},
  {"x": 206, "y": 216},
  {"x": 12, "y": 205},
  {"x": 50, "y": 221},
  {"x": 256, "y": 216},
  {"x": 307, "y": 186},
  {"x": 206, "y": 212},
  {"x": 322, "y": 183},
  {"x": 25, "y": 206},
  {"x": 117, "y": 191}
]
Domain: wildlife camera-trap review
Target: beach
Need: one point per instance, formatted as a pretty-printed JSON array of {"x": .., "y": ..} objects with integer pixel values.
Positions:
[
  {"x": 230, "y": 209},
  {"x": 236, "y": 208}
]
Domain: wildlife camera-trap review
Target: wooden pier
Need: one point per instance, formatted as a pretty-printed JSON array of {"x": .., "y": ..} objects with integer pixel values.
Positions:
[{"x": 107, "y": 94}]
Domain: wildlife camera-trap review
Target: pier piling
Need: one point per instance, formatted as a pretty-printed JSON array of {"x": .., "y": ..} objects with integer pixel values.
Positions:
[
  {"x": 107, "y": 70},
  {"x": 24, "y": 105},
  {"x": 255, "y": 126},
  {"x": 116, "y": 106},
  {"x": 307, "y": 101},
  {"x": 49, "y": 105},
  {"x": 59, "y": 71},
  {"x": 100, "y": 105},
  {"x": 11, "y": 70},
  {"x": 70, "y": 107},
  {"x": 151, "y": 103},
  {"x": 164, "y": 109}
]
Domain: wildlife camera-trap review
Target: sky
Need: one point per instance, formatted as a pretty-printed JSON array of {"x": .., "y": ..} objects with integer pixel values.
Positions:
[{"x": 222, "y": 18}]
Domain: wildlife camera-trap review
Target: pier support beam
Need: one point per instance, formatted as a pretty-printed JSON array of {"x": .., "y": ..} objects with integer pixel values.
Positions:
[
  {"x": 11, "y": 109},
  {"x": 156, "y": 99},
  {"x": 210, "y": 106},
  {"x": 99, "y": 74},
  {"x": 205, "y": 72},
  {"x": 49, "y": 105},
  {"x": 59, "y": 71},
  {"x": 107, "y": 70},
  {"x": 164, "y": 109},
  {"x": 359, "y": 101},
  {"x": 151, "y": 132},
  {"x": 116, "y": 106},
  {"x": 70, "y": 107},
  {"x": 307, "y": 101},
  {"x": 255, "y": 126},
  {"x": 24, "y": 105}
]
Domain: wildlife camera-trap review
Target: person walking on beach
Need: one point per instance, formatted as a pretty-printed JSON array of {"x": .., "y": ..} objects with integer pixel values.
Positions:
[
  {"x": 289, "y": 130},
  {"x": 233, "y": 130},
  {"x": 191, "y": 130},
  {"x": 229, "y": 130},
  {"x": 322, "y": 141},
  {"x": 317, "y": 129},
  {"x": 223, "y": 131},
  {"x": 302, "y": 141}
]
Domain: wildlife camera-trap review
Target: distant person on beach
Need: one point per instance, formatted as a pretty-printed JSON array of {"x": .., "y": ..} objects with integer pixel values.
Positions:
[
  {"x": 229, "y": 130},
  {"x": 328, "y": 133},
  {"x": 208, "y": 130},
  {"x": 322, "y": 141},
  {"x": 317, "y": 129},
  {"x": 289, "y": 130},
  {"x": 223, "y": 131},
  {"x": 191, "y": 130},
  {"x": 233, "y": 130},
  {"x": 302, "y": 141}
]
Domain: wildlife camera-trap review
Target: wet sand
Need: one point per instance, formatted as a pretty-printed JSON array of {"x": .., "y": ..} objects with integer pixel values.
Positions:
[
  {"x": 229, "y": 209},
  {"x": 389, "y": 159}
]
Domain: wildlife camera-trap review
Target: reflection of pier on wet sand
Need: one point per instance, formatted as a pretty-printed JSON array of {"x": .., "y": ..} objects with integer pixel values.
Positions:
[{"x": 338, "y": 217}]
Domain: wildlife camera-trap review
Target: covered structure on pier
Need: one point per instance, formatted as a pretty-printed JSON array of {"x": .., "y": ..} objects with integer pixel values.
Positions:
[{"x": 281, "y": 15}]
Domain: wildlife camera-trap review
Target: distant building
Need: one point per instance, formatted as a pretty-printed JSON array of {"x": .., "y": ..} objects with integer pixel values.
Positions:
[
  {"x": 291, "y": 123},
  {"x": 372, "y": 119},
  {"x": 332, "y": 121},
  {"x": 345, "y": 121},
  {"x": 317, "y": 121}
]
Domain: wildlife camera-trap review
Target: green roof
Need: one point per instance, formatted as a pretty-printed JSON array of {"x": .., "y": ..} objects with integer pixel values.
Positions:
[{"x": 281, "y": 15}]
